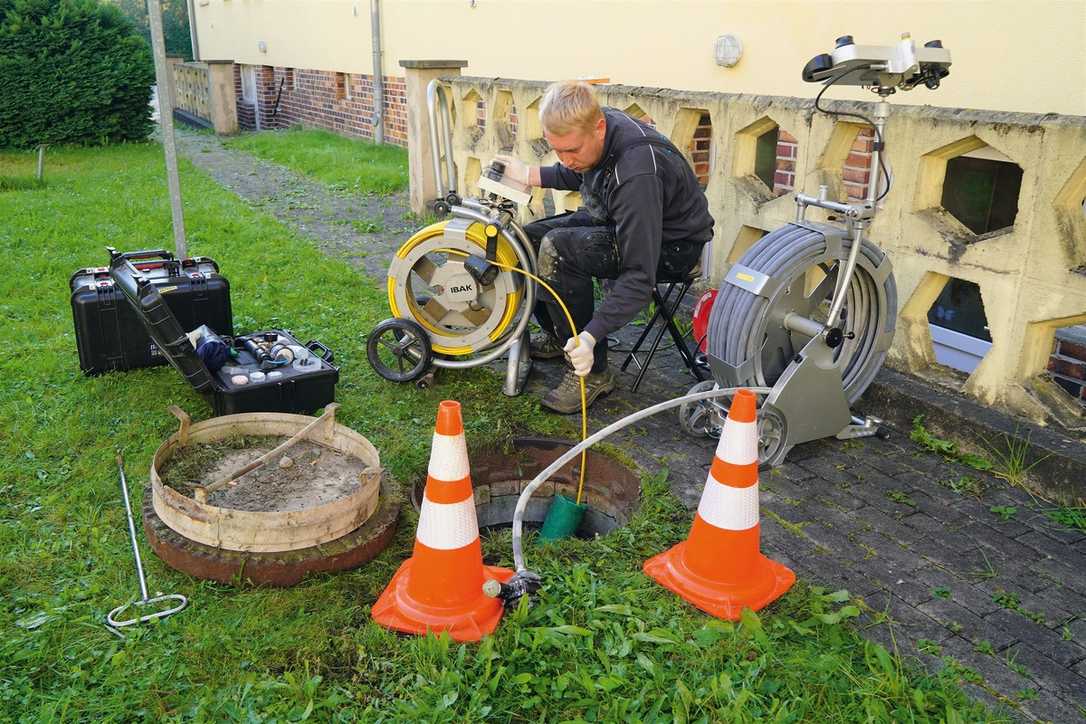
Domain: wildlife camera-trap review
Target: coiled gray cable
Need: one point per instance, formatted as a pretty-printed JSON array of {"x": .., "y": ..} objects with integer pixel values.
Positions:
[{"x": 740, "y": 320}]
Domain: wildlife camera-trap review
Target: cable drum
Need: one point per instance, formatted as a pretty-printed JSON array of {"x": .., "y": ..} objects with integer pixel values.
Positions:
[{"x": 746, "y": 330}]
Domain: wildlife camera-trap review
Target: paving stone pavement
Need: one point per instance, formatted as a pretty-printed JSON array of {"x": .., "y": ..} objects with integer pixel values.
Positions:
[{"x": 944, "y": 579}]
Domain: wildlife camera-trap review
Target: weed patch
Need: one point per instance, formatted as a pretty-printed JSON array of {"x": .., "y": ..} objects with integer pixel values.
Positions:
[{"x": 1074, "y": 518}]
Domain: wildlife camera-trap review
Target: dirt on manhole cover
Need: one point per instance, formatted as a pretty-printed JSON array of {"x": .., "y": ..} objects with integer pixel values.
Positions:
[{"x": 315, "y": 474}]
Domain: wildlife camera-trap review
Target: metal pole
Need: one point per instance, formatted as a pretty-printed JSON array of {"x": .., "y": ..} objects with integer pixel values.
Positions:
[
  {"x": 378, "y": 76},
  {"x": 41, "y": 162},
  {"x": 132, "y": 528},
  {"x": 165, "y": 113},
  {"x": 193, "y": 36}
]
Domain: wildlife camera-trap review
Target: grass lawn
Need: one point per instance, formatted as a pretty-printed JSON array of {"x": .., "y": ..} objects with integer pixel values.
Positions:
[
  {"x": 345, "y": 164},
  {"x": 604, "y": 643}
]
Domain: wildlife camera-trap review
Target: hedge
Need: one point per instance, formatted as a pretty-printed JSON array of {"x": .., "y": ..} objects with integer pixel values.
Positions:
[{"x": 71, "y": 71}]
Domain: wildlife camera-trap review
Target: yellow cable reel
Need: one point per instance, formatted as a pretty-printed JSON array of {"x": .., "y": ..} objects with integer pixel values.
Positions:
[{"x": 436, "y": 290}]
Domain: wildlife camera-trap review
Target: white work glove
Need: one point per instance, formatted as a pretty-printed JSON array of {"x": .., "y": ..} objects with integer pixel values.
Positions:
[
  {"x": 579, "y": 353},
  {"x": 515, "y": 169}
]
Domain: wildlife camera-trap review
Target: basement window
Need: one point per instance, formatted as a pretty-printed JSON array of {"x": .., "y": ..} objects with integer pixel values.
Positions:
[
  {"x": 959, "y": 326},
  {"x": 981, "y": 190}
]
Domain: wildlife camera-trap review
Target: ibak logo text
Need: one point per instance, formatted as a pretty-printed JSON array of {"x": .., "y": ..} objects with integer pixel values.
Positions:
[{"x": 465, "y": 288}]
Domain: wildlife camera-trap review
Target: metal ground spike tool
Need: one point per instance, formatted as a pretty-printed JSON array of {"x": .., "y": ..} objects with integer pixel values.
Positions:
[
  {"x": 144, "y": 601},
  {"x": 809, "y": 310}
]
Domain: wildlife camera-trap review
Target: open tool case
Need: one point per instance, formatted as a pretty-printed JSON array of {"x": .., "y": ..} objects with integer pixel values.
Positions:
[
  {"x": 108, "y": 333},
  {"x": 245, "y": 383}
]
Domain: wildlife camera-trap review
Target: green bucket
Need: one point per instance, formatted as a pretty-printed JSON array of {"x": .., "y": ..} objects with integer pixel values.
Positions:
[{"x": 563, "y": 518}]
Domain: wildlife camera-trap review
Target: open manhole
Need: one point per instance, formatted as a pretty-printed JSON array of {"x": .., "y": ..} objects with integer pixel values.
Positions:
[{"x": 612, "y": 490}]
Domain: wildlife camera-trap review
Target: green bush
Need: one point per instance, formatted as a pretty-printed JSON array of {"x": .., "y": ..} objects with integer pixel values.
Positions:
[{"x": 71, "y": 71}]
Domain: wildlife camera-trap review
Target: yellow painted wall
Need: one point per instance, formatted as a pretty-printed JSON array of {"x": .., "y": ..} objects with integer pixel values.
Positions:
[{"x": 1015, "y": 55}]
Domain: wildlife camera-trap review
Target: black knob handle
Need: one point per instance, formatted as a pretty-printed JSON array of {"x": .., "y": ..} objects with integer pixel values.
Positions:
[
  {"x": 933, "y": 44},
  {"x": 843, "y": 41}
]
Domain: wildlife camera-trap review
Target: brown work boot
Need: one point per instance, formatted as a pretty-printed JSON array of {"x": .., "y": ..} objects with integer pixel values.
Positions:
[
  {"x": 566, "y": 397},
  {"x": 545, "y": 346}
]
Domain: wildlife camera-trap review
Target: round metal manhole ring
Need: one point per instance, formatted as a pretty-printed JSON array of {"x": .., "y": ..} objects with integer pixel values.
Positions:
[
  {"x": 613, "y": 491},
  {"x": 275, "y": 569}
]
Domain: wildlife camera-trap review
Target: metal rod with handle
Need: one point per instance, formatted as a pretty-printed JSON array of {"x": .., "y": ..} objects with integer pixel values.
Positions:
[
  {"x": 144, "y": 600},
  {"x": 164, "y": 78}
]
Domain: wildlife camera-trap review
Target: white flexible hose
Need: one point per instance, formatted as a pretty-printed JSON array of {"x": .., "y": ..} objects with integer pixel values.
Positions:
[{"x": 525, "y": 496}]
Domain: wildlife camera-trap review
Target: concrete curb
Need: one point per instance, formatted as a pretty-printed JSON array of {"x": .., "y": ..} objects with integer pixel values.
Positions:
[{"x": 1058, "y": 461}]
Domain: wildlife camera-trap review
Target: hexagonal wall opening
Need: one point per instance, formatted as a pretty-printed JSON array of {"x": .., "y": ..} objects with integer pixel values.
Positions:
[
  {"x": 505, "y": 120},
  {"x": 473, "y": 114},
  {"x": 981, "y": 189},
  {"x": 746, "y": 238},
  {"x": 959, "y": 326},
  {"x": 700, "y": 148},
  {"x": 968, "y": 189},
  {"x": 766, "y": 153},
  {"x": 1070, "y": 204},
  {"x": 636, "y": 112},
  {"x": 1067, "y": 363}
]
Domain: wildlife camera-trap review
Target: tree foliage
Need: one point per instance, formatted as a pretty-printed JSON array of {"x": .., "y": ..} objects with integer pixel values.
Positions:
[
  {"x": 71, "y": 71},
  {"x": 175, "y": 23}
]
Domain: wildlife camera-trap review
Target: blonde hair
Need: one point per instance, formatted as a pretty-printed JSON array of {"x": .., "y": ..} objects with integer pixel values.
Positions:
[{"x": 569, "y": 105}]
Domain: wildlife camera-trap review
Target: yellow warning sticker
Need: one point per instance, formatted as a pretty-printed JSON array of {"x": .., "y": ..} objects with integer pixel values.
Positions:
[
  {"x": 744, "y": 277},
  {"x": 166, "y": 290}
]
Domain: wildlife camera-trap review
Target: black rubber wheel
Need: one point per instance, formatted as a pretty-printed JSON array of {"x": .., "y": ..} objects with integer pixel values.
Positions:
[
  {"x": 399, "y": 350},
  {"x": 441, "y": 207}
]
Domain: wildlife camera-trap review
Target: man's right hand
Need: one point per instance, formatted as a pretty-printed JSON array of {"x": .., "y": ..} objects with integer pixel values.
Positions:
[{"x": 515, "y": 169}]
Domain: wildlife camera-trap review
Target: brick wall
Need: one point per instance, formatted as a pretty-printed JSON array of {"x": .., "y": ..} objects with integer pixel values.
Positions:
[
  {"x": 784, "y": 171},
  {"x": 480, "y": 113},
  {"x": 857, "y": 170},
  {"x": 1067, "y": 365},
  {"x": 339, "y": 102},
  {"x": 699, "y": 149}
]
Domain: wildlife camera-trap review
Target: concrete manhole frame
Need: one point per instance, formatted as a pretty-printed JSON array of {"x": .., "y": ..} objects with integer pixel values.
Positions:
[{"x": 612, "y": 490}]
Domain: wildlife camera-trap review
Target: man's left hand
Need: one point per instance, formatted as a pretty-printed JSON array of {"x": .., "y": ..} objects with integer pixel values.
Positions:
[{"x": 579, "y": 353}]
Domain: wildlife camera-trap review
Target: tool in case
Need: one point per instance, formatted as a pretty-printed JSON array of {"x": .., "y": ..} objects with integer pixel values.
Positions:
[
  {"x": 268, "y": 371},
  {"x": 109, "y": 335}
]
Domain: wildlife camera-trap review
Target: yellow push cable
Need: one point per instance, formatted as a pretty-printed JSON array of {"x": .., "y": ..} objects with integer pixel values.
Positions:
[{"x": 573, "y": 329}]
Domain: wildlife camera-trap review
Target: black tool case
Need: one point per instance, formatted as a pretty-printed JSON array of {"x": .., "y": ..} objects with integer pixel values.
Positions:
[
  {"x": 108, "y": 333},
  {"x": 293, "y": 390}
]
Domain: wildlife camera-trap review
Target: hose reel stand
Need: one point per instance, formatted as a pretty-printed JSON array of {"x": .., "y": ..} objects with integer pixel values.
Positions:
[{"x": 809, "y": 310}]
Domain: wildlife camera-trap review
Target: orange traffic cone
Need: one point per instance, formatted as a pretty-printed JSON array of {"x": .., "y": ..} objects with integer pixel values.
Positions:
[
  {"x": 440, "y": 587},
  {"x": 719, "y": 567}
]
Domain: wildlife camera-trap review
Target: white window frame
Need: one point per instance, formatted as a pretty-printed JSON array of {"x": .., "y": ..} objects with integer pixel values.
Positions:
[
  {"x": 347, "y": 87},
  {"x": 248, "y": 83}
]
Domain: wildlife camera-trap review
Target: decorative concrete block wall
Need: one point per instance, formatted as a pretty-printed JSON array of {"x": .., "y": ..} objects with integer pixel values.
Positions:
[{"x": 1031, "y": 274}]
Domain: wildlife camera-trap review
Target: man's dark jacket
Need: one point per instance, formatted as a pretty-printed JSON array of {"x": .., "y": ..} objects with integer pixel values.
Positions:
[{"x": 644, "y": 188}]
